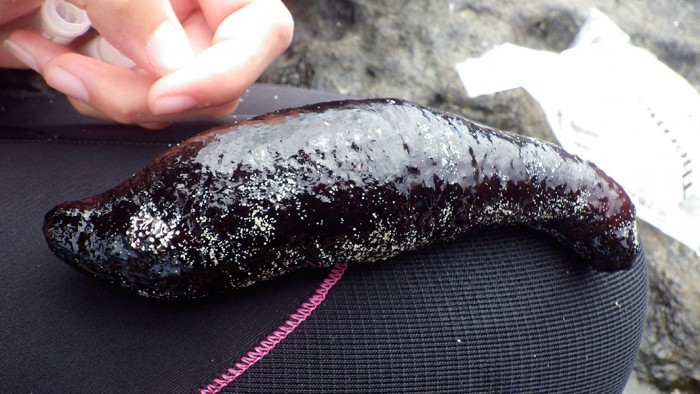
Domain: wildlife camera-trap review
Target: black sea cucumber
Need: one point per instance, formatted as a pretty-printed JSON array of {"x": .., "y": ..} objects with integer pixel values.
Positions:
[{"x": 350, "y": 181}]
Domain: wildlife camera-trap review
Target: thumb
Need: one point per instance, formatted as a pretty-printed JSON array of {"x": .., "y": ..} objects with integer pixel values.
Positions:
[{"x": 148, "y": 32}]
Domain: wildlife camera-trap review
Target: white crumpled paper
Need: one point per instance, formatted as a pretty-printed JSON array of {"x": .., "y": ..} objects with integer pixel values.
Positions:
[{"x": 618, "y": 106}]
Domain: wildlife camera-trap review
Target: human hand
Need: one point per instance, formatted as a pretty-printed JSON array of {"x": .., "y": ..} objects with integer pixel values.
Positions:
[
  {"x": 14, "y": 15},
  {"x": 194, "y": 58}
]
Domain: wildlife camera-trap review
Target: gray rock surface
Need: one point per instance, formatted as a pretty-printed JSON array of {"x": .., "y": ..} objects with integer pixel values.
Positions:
[{"x": 409, "y": 49}]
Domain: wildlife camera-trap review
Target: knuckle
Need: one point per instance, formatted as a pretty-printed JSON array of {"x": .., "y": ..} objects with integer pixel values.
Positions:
[
  {"x": 124, "y": 112},
  {"x": 84, "y": 109}
]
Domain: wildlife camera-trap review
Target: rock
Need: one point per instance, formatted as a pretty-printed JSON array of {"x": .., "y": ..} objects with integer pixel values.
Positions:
[
  {"x": 409, "y": 49},
  {"x": 670, "y": 352},
  {"x": 635, "y": 386}
]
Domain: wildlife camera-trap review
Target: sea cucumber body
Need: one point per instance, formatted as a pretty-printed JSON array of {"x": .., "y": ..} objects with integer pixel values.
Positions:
[{"x": 353, "y": 181}]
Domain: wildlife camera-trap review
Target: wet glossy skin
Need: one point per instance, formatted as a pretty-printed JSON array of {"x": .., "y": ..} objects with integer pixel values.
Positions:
[{"x": 354, "y": 181}]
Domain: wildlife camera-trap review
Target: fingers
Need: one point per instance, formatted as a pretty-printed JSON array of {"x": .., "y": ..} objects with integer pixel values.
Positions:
[
  {"x": 81, "y": 78},
  {"x": 227, "y": 45},
  {"x": 32, "y": 50},
  {"x": 116, "y": 93},
  {"x": 11, "y": 10},
  {"x": 248, "y": 36},
  {"x": 97, "y": 89},
  {"x": 13, "y": 16},
  {"x": 154, "y": 39}
]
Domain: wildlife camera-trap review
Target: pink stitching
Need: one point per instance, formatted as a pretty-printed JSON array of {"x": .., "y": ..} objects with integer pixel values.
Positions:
[{"x": 277, "y": 336}]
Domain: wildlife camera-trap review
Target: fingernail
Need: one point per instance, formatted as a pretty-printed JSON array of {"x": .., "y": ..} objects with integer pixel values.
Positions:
[
  {"x": 169, "y": 49},
  {"x": 173, "y": 104},
  {"x": 21, "y": 54},
  {"x": 66, "y": 83}
]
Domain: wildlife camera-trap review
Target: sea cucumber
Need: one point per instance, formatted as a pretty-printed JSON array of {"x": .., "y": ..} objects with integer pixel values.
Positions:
[{"x": 340, "y": 182}]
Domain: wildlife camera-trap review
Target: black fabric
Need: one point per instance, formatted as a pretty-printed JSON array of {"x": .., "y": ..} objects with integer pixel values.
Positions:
[
  {"x": 504, "y": 311},
  {"x": 507, "y": 311}
]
